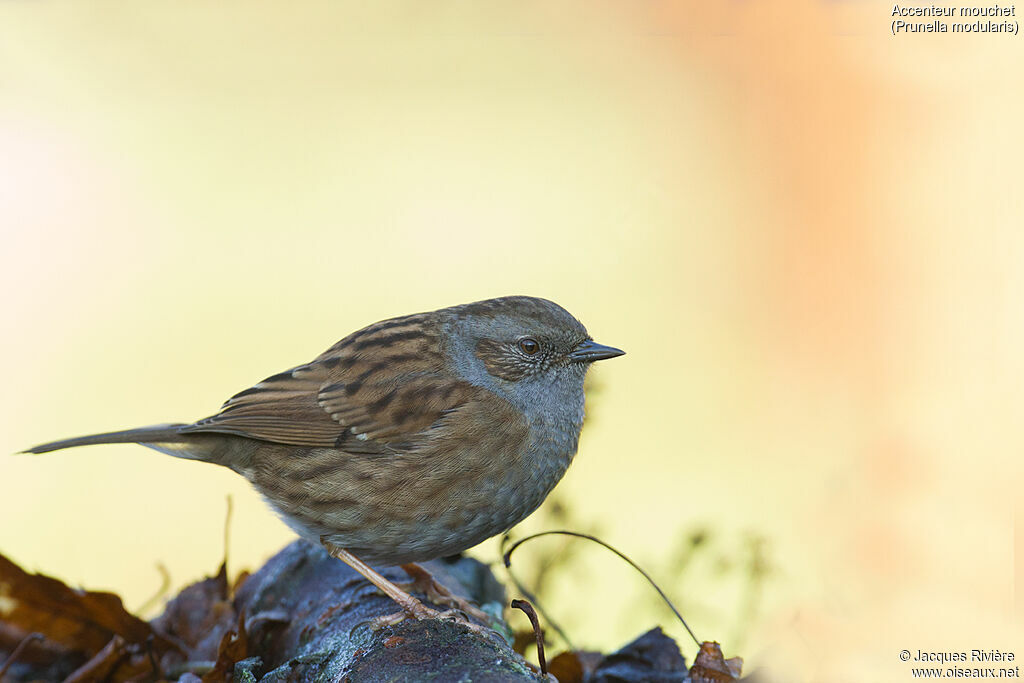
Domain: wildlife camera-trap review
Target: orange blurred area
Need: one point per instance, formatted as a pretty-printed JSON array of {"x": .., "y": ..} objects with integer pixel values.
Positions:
[{"x": 805, "y": 232}]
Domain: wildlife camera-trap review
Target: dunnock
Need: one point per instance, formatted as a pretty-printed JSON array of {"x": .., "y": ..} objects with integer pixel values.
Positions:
[{"x": 414, "y": 438}]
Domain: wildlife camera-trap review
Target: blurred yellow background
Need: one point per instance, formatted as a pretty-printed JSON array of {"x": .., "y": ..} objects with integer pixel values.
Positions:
[{"x": 805, "y": 232}]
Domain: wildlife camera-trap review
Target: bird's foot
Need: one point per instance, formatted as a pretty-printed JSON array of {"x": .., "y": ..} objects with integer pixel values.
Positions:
[
  {"x": 456, "y": 616},
  {"x": 423, "y": 581}
]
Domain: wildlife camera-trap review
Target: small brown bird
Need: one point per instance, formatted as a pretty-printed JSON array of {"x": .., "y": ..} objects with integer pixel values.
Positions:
[{"x": 414, "y": 438}]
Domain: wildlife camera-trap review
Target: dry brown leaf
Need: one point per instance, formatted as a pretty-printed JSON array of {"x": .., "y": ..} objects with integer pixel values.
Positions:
[
  {"x": 83, "y": 621},
  {"x": 199, "y": 615},
  {"x": 234, "y": 647},
  {"x": 711, "y": 666},
  {"x": 567, "y": 668},
  {"x": 102, "y": 665}
]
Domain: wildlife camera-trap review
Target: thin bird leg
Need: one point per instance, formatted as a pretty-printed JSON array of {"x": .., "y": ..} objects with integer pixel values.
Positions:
[
  {"x": 424, "y": 582},
  {"x": 410, "y": 605}
]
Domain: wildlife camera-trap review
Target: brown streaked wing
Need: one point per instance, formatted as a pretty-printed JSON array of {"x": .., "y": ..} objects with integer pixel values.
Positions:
[
  {"x": 379, "y": 390},
  {"x": 392, "y": 412},
  {"x": 281, "y": 408}
]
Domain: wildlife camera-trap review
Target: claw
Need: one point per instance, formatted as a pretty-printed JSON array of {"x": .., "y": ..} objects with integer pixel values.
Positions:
[{"x": 423, "y": 582}]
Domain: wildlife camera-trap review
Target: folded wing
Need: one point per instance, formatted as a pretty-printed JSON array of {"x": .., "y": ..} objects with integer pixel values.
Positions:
[{"x": 379, "y": 405}]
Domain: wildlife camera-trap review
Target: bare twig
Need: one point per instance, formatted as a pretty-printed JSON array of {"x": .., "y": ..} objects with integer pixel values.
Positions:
[
  {"x": 533, "y": 598},
  {"x": 25, "y": 642},
  {"x": 165, "y": 585},
  {"x": 508, "y": 561},
  {"x": 530, "y": 612}
]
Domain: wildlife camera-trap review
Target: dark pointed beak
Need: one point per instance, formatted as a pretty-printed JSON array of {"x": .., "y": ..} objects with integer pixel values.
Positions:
[{"x": 590, "y": 350}]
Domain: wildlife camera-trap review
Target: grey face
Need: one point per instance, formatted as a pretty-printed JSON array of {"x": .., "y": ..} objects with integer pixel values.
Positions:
[{"x": 530, "y": 350}]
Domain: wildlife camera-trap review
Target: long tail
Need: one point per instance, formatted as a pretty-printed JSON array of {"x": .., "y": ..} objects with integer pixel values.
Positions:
[{"x": 160, "y": 437}]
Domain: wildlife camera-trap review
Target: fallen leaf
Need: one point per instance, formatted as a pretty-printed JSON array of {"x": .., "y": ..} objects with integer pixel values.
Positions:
[
  {"x": 199, "y": 615},
  {"x": 651, "y": 658},
  {"x": 83, "y": 621},
  {"x": 234, "y": 647},
  {"x": 711, "y": 666}
]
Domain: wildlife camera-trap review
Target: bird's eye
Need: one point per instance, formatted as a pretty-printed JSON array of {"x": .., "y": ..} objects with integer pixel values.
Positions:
[{"x": 529, "y": 345}]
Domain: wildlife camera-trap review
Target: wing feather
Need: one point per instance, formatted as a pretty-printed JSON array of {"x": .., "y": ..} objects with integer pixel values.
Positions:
[{"x": 379, "y": 390}]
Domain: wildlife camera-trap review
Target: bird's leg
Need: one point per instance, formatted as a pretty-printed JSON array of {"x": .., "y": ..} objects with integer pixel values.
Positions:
[
  {"x": 424, "y": 582},
  {"x": 410, "y": 605}
]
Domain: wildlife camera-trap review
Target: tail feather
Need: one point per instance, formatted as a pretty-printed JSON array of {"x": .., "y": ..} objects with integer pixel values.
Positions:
[{"x": 155, "y": 434}]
